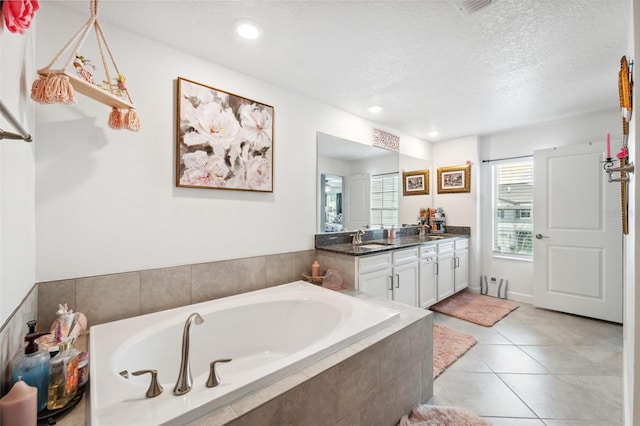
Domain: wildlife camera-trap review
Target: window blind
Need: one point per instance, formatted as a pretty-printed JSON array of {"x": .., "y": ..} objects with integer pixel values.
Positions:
[
  {"x": 513, "y": 208},
  {"x": 384, "y": 200}
]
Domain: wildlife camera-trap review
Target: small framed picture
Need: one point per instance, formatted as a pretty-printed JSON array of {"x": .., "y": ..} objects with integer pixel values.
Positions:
[
  {"x": 415, "y": 182},
  {"x": 454, "y": 179}
]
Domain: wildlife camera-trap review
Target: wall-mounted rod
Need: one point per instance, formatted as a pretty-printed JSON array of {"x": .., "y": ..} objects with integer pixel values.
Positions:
[
  {"x": 23, "y": 134},
  {"x": 507, "y": 158}
]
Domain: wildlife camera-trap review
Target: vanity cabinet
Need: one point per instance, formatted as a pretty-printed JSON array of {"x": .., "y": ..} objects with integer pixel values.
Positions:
[
  {"x": 445, "y": 269},
  {"x": 375, "y": 275},
  {"x": 391, "y": 275},
  {"x": 405, "y": 276},
  {"x": 461, "y": 264},
  {"x": 427, "y": 288}
]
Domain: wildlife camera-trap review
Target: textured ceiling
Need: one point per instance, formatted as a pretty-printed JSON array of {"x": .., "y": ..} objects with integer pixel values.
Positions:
[{"x": 512, "y": 64}]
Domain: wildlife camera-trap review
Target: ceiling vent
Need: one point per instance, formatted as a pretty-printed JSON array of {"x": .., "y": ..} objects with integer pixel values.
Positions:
[{"x": 469, "y": 7}]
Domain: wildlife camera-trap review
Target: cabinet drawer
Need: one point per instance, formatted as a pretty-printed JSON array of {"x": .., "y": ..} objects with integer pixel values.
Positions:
[
  {"x": 405, "y": 256},
  {"x": 374, "y": 263},
  {"x": 426, "y": 251},
  {"x": 445, "y": 247},
  {"x": 462, "y": 243}
]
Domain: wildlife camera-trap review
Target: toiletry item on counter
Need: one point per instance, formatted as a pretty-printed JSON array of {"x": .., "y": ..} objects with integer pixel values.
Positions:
[
  {"x": 19, "y": 407},
  {"x": 83, "y": 368},
  {"x": 392, "y": 233},
  {"x": 63, "y": 378},
  {"x": 68, "y": 324},
  {"x": 315, "y": 269},
  {"x": 333, "y": 280},
  {"x": 33, "y": 365}
]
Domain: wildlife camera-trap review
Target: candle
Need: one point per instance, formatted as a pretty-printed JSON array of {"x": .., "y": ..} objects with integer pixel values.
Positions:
[
  {"x": 608, "y": 145},
  {"x": 20, "y": 406}
]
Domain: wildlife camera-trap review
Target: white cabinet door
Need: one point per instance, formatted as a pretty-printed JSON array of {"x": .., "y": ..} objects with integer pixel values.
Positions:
[
  {"x": 405, "y": 283},
  {"x": 461, "y": 271},
  {"x": 377, "y": 283},
  {"x": 427, "y": 291},
  {"x": 444, "y": 272}
]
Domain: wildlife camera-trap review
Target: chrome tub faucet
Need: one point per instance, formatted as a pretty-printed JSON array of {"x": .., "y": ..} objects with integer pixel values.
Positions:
[{"x": 185, "y": 381}]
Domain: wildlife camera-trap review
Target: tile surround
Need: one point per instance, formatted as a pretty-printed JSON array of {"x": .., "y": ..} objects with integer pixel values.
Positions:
[
  {"x": 359, "y": 369},
  {"x": 112, "y": 297},
  {"x": 12, "y": 336}
]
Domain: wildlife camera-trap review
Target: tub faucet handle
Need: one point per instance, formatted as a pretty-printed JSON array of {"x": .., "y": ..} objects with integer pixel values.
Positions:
[
  {"x": 214, "y": 379},
  {"x": 155, "y": 388}
]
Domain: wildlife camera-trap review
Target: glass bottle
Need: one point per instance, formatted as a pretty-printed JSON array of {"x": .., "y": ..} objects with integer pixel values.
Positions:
[{"x": 63, "y": 377}]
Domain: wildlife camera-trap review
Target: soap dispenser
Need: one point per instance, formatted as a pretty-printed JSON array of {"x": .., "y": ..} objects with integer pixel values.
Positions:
[
  {"x": 33, "y": 365},
  {"x": 63, "y": 377}
]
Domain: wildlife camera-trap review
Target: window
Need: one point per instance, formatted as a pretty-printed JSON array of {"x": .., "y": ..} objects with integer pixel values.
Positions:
[
  {"x": 512, "y": 209},
  {"x": 384, "y": 200}
]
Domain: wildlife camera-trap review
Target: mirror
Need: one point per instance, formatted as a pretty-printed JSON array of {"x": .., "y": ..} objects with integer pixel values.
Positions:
[{"x": 354, "y": 179}]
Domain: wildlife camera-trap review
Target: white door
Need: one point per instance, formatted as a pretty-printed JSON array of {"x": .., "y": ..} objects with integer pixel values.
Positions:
[
  {"x": 355, "y": 205},
  {"x": 577, "y": 235}
]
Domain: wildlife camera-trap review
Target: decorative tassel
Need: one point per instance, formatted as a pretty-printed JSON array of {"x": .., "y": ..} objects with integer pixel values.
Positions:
[
  {"x": 38, "y": 89},
  {"x": 132, "y": 120},
  {"x": 58, "y": 89},
  {"x": 116, "y": 120}
]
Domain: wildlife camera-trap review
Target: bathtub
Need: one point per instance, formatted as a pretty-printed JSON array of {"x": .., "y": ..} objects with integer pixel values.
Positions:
[{"x": 267, "y": 333}]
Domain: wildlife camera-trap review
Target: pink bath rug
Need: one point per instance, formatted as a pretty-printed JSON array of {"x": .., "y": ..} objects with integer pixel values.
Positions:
[
  {"x": 432, "y": 415},
  {"x": 475, "y": 308},
  {"x": 448, "y": 346}
]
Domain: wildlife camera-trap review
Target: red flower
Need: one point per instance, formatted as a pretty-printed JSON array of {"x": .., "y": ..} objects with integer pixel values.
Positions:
[{"x": 18, "y": 14}]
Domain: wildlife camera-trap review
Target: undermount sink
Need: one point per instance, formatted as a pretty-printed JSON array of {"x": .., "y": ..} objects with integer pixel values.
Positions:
[
  {"x": 436, "y": 237},
  {"x": 373, "y": 245}
]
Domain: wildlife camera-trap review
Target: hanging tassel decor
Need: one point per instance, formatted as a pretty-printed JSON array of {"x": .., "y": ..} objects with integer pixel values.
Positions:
[
  {"x": 132, "y": 120},
  {"x": 60, "y": 85},
  {"x": 116, "y": 120}
]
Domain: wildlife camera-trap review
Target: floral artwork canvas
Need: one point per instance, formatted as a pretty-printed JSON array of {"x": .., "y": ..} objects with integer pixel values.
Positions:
[{"x": 224, "y": 141}]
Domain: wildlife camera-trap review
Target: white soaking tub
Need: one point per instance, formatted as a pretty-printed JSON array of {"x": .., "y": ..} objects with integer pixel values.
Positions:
[{"x": 267, "y": 333}]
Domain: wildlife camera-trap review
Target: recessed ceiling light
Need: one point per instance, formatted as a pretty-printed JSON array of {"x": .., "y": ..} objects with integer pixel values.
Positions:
[
  {"x": 433, "y": 133},
  {"x": 248, "y": 30},
  {"x": 375, "y": 109}
]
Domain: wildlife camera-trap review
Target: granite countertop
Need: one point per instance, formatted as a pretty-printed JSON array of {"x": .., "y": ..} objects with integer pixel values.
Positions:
[{"x": 384, "y": 245}]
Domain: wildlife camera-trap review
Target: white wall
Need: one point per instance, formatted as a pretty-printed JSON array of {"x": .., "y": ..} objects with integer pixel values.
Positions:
[
  {"x": 461, "y": 209},
  {"x": 570, "y": 131},
  {"x": 631, "y": 278},
  {"x": 17, "y": 174},
  {"x": 106, "y": 199},
  {"x": 409, "y": 206}
]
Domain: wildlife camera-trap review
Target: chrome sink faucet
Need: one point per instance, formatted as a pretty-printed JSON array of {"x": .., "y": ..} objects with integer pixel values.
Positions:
[
  {"x": 185, "y": 381},
  {"x": 357, "y": 237}
]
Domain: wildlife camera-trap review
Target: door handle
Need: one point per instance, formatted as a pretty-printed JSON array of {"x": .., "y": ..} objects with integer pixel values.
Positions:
[
  {"x": 397, "y": 281},
  {"x": 540, "y": 236},
  {"x": 391, "y": 288},
  {"x": 437, "y": 268},
  {"x": 457, "y": 263}
]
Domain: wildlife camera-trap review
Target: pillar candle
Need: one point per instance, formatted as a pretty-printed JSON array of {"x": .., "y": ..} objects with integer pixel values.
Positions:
[
  {"x": 19, "y": 407},
  {"x": 608, "y": 145}
]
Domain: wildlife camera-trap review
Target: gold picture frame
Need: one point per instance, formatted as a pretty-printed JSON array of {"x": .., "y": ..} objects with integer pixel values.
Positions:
[
  {"x": 454, "y": 179},
  {"x": 415, "y": 182}
]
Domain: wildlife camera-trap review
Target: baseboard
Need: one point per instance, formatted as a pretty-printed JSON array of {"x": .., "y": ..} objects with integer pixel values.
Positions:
[
  {"x": 520, "y": 297},
  {"x": 511, "y": 295}
]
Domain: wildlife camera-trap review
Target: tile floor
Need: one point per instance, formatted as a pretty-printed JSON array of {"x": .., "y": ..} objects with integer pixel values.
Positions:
[{"x": 537, "y": 367}]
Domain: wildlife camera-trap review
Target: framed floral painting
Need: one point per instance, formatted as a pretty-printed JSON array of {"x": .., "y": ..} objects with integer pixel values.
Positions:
[{"x": 224, "y": 141}]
